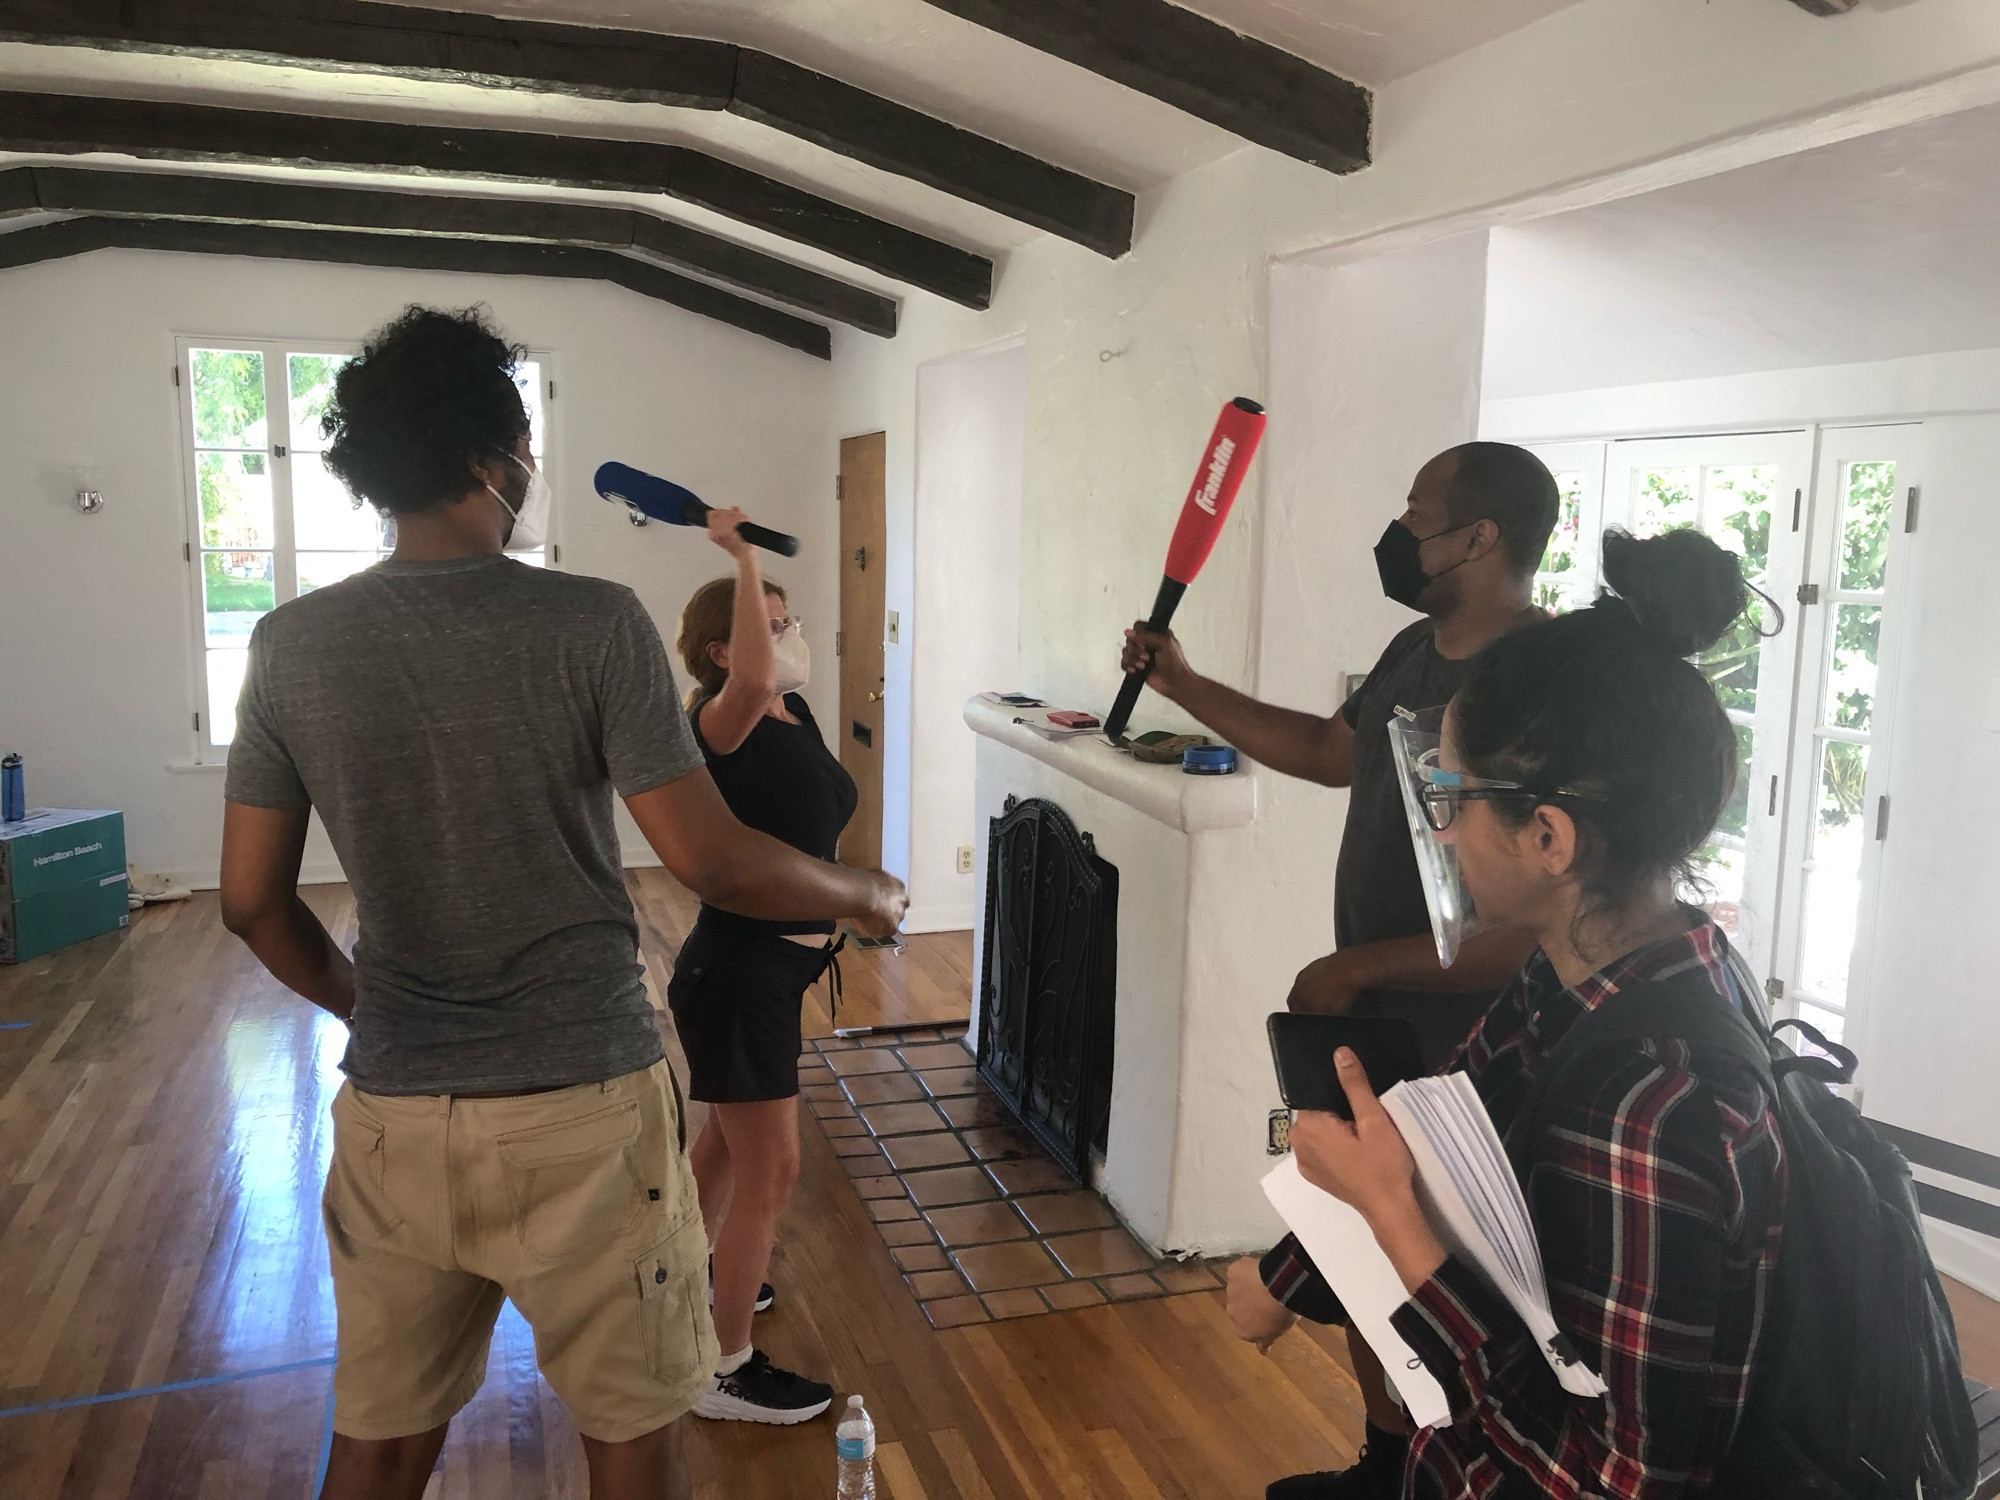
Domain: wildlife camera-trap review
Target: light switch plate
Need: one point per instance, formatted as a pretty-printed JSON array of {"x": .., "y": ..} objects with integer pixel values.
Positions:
[{"x": 895, "y": 628}]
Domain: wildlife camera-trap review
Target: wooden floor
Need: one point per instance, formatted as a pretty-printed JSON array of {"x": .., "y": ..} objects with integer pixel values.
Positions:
[{"x": 166, "y": 1326}]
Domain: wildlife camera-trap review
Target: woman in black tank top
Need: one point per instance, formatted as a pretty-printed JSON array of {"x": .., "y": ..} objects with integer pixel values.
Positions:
[{"x": 740, "y": 981}]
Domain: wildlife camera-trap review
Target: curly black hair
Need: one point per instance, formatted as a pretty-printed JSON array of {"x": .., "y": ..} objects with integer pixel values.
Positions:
[{"x": 430, "y": 393}]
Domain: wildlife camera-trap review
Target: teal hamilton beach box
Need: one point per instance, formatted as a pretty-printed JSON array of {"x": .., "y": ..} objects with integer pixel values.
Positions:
[{"x": 62, "y": 879}]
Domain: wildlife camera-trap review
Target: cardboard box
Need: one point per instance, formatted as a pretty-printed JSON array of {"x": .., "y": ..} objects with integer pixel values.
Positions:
[{"x": 62, "y": 879}]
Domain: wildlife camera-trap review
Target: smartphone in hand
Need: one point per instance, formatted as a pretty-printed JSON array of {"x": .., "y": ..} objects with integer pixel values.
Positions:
[{"x": 1302, "y": 1048}]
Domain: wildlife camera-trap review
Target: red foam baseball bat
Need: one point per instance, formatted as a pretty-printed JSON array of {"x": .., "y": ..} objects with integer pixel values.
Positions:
[{"x": 1219, "y": 476}]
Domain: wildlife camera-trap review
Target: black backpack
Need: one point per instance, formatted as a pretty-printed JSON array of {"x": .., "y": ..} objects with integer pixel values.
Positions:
[{"x": 1856, "y": 1392}]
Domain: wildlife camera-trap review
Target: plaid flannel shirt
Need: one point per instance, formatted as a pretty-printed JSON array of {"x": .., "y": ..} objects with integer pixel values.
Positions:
[{"x": 1656, "y": 1193}]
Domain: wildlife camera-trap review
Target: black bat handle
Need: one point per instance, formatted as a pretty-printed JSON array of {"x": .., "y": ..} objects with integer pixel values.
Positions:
[
  {"x": 771, "y": 541},
  {"x": 695, "y": 513},
  {"x": 1164, "y": 604}
]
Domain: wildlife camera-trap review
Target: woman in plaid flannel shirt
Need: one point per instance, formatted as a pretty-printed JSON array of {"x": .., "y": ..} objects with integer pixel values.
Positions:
[{"x": 1600, "y": 761}]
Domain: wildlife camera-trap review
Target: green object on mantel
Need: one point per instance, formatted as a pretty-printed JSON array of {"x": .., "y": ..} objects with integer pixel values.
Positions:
[{"x": 62, "y": 879}]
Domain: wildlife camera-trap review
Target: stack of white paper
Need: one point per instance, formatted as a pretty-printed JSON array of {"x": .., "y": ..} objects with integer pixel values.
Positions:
[{"x": 1467, "y": 1188}]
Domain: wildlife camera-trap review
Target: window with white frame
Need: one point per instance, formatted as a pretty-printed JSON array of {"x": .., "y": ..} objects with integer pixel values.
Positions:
[{"x": 270, "y": 521}]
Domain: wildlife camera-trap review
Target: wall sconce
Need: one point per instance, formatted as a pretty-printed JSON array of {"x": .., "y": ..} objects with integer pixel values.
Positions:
[{"x": 89, "y": 489}]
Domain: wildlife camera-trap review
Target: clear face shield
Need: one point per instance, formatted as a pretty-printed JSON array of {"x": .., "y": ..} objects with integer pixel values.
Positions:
[{"x": 1415, "y": 740}]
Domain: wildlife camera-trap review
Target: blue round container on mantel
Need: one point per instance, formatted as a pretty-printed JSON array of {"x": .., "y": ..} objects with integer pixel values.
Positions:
[{"x": 1209, "y": 760}]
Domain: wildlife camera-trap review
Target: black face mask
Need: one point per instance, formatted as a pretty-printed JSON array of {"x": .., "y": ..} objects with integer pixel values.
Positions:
[{"x": 1399, "y": 562}]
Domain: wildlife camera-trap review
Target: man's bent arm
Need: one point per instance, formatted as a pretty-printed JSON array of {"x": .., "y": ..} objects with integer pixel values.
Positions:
[
  {"x": 261, "y": 850},
  {"x": 1287, "y": 740},
  {"x": 736, "y": 868},
  {"x": 1486, "y": 961}
]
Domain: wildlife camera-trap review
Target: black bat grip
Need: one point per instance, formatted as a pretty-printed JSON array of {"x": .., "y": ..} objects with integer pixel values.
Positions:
[
  {"x": 771, "y": 541},
  {"x": 1164, "y": 604},
  {"x": 695, "y": 513}
]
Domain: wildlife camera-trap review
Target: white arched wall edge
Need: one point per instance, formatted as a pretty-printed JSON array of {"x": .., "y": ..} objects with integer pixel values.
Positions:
[{"x": 964, "y": 632}]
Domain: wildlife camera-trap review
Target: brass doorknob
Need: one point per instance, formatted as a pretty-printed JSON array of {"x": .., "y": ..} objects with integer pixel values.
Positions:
[{"x": 874, "y": 697}]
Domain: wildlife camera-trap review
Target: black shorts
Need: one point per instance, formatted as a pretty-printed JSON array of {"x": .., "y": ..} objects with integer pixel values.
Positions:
[{"x": 736, "y": 998}]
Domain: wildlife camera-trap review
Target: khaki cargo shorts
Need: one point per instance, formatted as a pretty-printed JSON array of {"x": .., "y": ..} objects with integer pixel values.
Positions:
[{"x": 576, "y": 1204}]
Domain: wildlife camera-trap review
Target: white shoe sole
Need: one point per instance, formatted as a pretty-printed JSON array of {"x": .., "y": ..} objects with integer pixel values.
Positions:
[{"x": 718, "y": 1407}]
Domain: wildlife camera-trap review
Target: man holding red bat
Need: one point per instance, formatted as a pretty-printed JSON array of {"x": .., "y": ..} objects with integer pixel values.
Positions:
[{"x": 1464, "y": 552}]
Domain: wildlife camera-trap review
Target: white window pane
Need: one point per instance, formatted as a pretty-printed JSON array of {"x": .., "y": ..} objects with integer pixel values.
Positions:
[
  {"x": 1665, "y": 498},
  {"x": 324, "y": 515},
  {"x": 309, "y": 382},
  {"x": 237, "y": 592},
  {"x": 1833, "y": 898},
  {"x": 228, "y": 390},
  {"x": 1864, "y": 528},
  {"x": 225, "y": 684},
  {"x": 318, "y": 569},
  {"x": 1739, "y": 513},
  {"x": 1850, "y": 678},
  {"x": 235, "y": 491},
  {"x": 1838, "y": 816}
]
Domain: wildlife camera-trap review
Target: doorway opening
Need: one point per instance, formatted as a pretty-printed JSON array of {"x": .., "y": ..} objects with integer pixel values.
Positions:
[{"x": 864, "y": 545}]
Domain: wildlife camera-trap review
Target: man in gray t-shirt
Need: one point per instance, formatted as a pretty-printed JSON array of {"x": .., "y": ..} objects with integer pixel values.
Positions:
[
  {"x": 461, "y": 722},
  {"x": 461, "y": 726}
]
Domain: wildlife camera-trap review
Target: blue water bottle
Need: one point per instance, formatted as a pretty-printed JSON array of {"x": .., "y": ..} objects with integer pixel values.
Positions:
[{"x": 13, "y": 791}]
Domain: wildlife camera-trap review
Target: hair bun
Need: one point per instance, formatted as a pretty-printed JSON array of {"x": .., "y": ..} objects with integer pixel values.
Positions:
[{"x": 1682, "y": 589}]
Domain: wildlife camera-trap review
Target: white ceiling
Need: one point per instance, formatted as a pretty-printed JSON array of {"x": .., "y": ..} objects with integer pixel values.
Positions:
[
  {"x": 1876, "y": 248},
  {"x": 1377, "y": 41},
  {"x": 905, "y": 50}
]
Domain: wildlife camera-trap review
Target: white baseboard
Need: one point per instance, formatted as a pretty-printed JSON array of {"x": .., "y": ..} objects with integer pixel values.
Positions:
[
  {"x": 312, "y": 872},
  {"x": 1971, "y": 1257},
  {"x": 938, "y": 919}
]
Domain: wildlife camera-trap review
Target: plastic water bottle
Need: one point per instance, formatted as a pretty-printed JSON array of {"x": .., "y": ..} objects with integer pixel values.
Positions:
[
  {"x": 13, "y": 791},
  {"x": 854, "y": 1441}
]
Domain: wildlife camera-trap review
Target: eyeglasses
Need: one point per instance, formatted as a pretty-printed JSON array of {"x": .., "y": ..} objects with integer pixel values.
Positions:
[
  {"x": 1443, "y": 791},
  {"x": 779, "y": 627}
]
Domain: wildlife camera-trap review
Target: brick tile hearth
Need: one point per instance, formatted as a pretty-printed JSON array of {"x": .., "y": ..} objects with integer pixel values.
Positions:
[{"x": 981, "y": 1222}]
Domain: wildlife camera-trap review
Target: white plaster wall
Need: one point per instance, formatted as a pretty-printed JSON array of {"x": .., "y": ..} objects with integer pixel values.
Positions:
[
  {"x": 971, "y": 441},
  {"x": 97, "y": 678}
]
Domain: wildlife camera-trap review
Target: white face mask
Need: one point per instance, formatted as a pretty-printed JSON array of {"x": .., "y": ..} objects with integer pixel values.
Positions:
[
  {"x": 793, "y": 660},
  {"x": 531, "y": 521}
]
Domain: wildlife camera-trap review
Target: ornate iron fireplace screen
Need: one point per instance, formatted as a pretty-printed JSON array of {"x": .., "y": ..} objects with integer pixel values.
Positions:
[{"x": 1047, "y": 992}]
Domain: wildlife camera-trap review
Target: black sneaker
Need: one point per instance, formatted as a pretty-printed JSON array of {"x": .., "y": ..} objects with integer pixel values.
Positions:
[
  {"x": 761, "y": 1392},
  {"x": 765, "y": 1296},
  {"x": 1377, "y": 1474}
]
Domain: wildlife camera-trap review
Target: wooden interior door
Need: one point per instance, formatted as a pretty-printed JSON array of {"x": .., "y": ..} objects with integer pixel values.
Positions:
[{"x": 864, "y": 537}]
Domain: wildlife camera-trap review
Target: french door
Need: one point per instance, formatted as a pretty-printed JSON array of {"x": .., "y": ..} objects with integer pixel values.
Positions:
[
  {"x": 1836, "y": 793},
  {"x": 1817, "y": 517}
]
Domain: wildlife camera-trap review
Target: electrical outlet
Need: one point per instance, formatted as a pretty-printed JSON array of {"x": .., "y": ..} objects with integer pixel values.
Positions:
[
  {"x": 895, "y": 628},
  {"x": 965, "y": 859},
  {"x": 1278, "y": 1133}
]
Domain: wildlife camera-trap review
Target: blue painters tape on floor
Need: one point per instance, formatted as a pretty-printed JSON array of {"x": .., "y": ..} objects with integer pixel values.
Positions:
[
  {"x": 325, "y": 1443},
  {"x": 167, "y": 1390},
  {"x": 15, "y": 1025}
]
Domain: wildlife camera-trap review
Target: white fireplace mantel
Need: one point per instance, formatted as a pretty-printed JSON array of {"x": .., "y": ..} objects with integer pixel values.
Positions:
[
  {"x": 1191, "y": 1080},
  {"x": 1167, "y": 794}
]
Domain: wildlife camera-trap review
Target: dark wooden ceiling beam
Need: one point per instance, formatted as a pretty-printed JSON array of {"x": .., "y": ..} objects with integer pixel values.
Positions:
[
  {"x": 1247, "y": 87},
  {"x": 197, "y": 132},
  {"x": 415, "y": 252},
  {"x": 595, "y": 62},
  {"x": 174, "y": 195}
]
